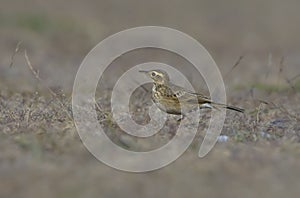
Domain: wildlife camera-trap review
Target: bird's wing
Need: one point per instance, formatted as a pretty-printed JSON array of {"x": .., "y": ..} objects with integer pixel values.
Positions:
[{"x": 188, "y": 96}]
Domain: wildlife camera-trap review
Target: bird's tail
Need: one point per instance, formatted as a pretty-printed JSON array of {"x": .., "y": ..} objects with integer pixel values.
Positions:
[
  {"x": 229, "y": 107},
  {"x": 235, "y": 108}
]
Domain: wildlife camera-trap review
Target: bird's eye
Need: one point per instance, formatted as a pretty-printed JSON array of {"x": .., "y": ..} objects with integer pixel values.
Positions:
[{"x": 153, "y": 74}]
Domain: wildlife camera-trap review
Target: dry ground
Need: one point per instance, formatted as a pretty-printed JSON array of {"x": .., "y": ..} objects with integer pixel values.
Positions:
[{"x": 41, "y": 154}]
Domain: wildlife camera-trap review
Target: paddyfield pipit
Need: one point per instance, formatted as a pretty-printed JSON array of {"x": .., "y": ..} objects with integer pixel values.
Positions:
[{"x": 168, "y": 96}]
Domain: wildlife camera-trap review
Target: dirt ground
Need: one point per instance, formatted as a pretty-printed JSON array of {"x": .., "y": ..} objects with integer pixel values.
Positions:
[{"x": 41, "y": 154}]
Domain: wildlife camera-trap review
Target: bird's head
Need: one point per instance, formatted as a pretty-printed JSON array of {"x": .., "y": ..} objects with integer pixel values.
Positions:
[{"x": 158, "y": 76}]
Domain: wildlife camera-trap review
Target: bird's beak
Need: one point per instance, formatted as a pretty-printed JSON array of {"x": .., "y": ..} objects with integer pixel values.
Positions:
[{"x": 143, "y": 71}]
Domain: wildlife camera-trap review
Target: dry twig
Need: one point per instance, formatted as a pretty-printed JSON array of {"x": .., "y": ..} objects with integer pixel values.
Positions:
[
  {"x": 36, "y": 75},
  {"x": 237, "y": 63},
  {"x": 14, "y": 54},
  {"x": 281, "y": 66},
  {"x": 258, "y": 113}
]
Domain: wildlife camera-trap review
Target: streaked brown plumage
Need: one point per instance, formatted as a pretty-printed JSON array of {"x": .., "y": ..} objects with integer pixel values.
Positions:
[{"x": 167, "y": 95}]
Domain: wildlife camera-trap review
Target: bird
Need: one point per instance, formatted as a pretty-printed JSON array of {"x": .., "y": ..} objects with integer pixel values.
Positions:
[{"x": 168, "y": 96}]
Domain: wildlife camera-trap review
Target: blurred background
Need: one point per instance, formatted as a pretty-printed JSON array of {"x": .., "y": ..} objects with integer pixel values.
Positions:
[{"x": 57, "y": 36}]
